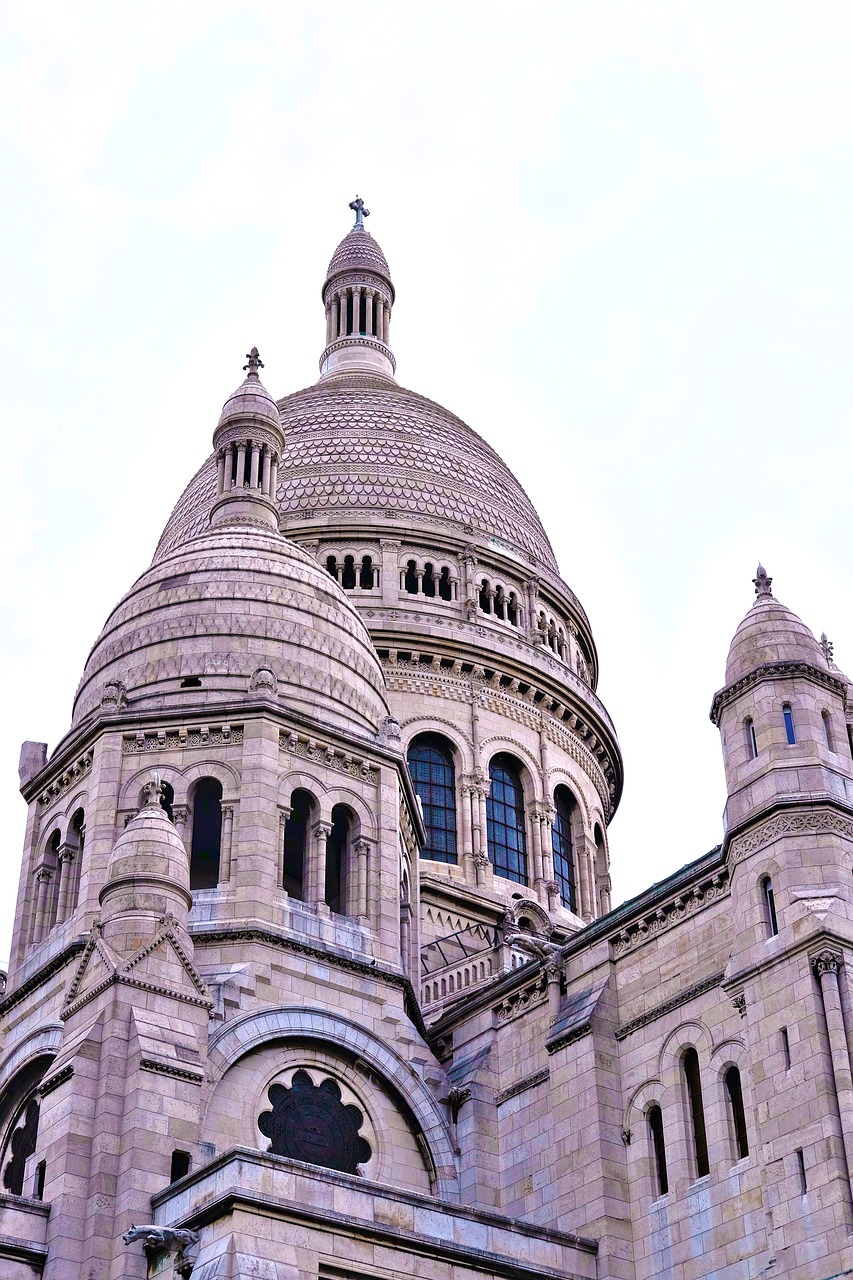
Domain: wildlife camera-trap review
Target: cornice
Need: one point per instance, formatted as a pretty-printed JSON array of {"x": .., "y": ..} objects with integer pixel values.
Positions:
[
  {"x": 667, "y": 1006},
  {"x": 819, "y": 815},
  {"x": 42, "y": 975},
  {"x": 775, "y": 671}
]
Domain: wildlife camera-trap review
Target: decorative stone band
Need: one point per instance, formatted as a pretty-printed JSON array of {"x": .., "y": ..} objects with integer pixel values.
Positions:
[
  {"x": 299, "y": 745},
  {"x": 568, "y": 1037},
  {"x": 177, "y": 1073},
  {"x": 176, "y": 739},
  {"x": 653, "y": 923},
  {"x": 666, "y": 1006},
  {"x": 53, "y": 1082},
  {"x": 65, "y": 780},
  {"x": 812, "y": 822},
  {"x": 773, "y": 671},
  {"x": 359, "y": 339},
  {"x": 521, "y": 1086},
  {"x": 522, "y": 999}
]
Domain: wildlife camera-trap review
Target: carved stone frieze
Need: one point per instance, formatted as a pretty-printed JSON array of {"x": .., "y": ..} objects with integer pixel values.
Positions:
[
  {"x": 68, "y": 778},
  {"x": 175, "y": 739},
  {"x": 663, "y": 917},
  {"x": 299, "y": 745},
  {"x": 522, "y": 999},
  {"x": 812, "y": 822}
]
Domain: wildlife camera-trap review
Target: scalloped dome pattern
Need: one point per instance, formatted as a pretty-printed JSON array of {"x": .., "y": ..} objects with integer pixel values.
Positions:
[
  {"x": 358, "y": 251},
  {"x": 361, "y": 444}
]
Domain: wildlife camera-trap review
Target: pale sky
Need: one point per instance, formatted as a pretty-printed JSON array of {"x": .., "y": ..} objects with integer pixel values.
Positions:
[{"x": 619, "y": 237}]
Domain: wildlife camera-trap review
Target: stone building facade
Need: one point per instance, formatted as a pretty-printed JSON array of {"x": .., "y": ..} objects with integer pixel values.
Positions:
[{"x": 315, "y": 974}]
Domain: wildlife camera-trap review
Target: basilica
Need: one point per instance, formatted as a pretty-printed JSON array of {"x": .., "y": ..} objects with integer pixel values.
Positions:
[{"x": 315, "y": 973}]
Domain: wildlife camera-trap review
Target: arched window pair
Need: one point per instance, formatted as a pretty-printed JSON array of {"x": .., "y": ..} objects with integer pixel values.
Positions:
[
  {"x": 58, "y": 878},
  {"x": 351, "y": 573},
  {"x": 206, "y": 837},
  {"x": 696, "y": 1122},
  {"x": 429, "y": 581},
  {"x": 297, "y": 832}
]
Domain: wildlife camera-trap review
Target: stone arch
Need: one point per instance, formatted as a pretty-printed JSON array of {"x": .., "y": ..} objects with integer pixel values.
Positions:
[
  {"x": 253, "y": 1030},
  {"x": 689, "y": 1034},
  {"x": 42, "y": 1042},
  {"x": 364, "y": 817},
  {"x": 649, "y": 1093},
  {"x": 79, "y": 801},
  {"x": 459, "y": 741},
  {"x": 531, "y": 768},
  {"x": 559, "y": 776},
  {"x": 188, "y": 774}
]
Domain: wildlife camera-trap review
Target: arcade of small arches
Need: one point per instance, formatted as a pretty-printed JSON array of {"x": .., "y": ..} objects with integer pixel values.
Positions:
[
  {"x": 526, "y": 842},
  {"x": 357, "y": 310}
]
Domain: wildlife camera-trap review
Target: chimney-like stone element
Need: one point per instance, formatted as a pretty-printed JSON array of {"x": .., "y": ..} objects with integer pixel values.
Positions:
[
  {"x": 32, "y": 759},
  {"x": 358, "y": 296},
  {"x": 248, "y": 441}
]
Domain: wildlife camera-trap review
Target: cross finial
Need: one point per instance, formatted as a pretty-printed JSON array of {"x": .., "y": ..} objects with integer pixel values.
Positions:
[
  {"x": 828, "y": 648},
  {"x": 761, "y": 582},
  {"x": 357, "y": 206},
  {"x": 255, "y": 363}
]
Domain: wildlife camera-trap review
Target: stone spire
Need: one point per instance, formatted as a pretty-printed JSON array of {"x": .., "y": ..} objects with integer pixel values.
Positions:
[
  {"x": 358, "y": 296},
  {"x": 248, "y": 441}
]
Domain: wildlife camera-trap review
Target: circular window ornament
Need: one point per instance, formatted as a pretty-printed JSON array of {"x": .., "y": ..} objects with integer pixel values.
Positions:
[{"x": 311, "y": 1122}]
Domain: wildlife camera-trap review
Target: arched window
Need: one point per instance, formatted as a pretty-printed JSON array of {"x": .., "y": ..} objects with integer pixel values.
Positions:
[
  {"x": 410, "y": 581},
  {"x": 296, "y": 844},
  {"x": 428, "y": 581},
  {"x": 655, "y": 1121},
  {"x": 485, "y": 598},
  {"x": 337, "y": 848},
  {"x": 207, "y": 834},
  {"x": 561, "y": 845},
  {"x": 431, "y": 766},
  {"x": 19, "y": 1122},
  {"x": 696, "y": 1111},
  {"x": 500, "y": 611},
  {"x": 365, "y": 578},
  {"x": 769, "y": 900},
  {"x": 827, "y": 730},
  {"x": 788, "y": 717},
  {"x": 505, "y": 820},
  {"x": 734, "y": 1094},
  {"x": 445, "y": 587},
  {"x": 332, "y": 566},
  {"x": 348, "y": 575},
  {"x": 751, "y": 743}
]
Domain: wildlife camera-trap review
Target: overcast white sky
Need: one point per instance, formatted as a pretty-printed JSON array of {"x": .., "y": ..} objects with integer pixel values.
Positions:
[{"x": 619, "y": 234}]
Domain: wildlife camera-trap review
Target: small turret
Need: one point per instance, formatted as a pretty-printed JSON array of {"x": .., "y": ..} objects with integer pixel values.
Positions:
[
  {"x": 781, "y": 713},
  {"x": 358, "y": 296},
  {"x": 248, "y": 441}
]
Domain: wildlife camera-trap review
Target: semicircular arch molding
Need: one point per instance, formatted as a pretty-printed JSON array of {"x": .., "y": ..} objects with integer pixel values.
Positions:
[
  {"x": 45, "y": 1040},
  {"x": 560, "y": 777},
  {"x": 258, "y": 1028},
  {"x": 224, "y": 773},
  {"x": 689, "y": 1034},
  {"x": 531, "y": 768},
  {"x": 419, "y": 725}
]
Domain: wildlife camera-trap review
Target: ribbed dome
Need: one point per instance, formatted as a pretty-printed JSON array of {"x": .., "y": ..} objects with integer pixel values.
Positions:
[
  {"x": 358, "y": 251},
  {"x": 364, "y": 445},
  {"x": 224, "y": 606},
  {"x": 251, "y": 399},
  {"x": 770, "y": 633}
]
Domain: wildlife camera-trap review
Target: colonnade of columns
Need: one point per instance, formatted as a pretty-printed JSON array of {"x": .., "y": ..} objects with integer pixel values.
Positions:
[
  {"x": 247, "y": 464},
  {"x": 355, "y": 871},
  {"x": 370, "y": 313},
  {"x": 56, "y": 889}
]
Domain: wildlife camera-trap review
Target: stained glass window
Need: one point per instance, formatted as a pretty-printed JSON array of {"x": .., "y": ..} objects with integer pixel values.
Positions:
[
  {"x": 505, "y": 820},
  {"x": 431, "y": 767}
]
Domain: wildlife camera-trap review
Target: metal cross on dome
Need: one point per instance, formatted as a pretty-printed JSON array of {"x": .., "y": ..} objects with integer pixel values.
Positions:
[{"x": 357, "y": 205}]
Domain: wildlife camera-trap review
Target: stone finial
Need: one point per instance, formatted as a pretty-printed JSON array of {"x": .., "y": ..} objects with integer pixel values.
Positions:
[
  {"x": 762, "y": 582},
  {"x": 828, "y": 649},
  {"x": 255, "y": 363},
  {"x": 153, "y": 790},
  {"x": 357, "y": 206}
]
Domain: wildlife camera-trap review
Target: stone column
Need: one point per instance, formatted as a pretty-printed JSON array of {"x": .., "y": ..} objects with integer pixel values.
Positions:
[
  {"x": 40, "y": 915},
  {"x": 467, "y": 833},
  {"x": 531, "y": 587},
  {"x": 241, "y": 465},
  {"x": 585, "y": 883},
  {"x": 227, "y": 840},
  {"x": 369, "y": 295},
  {"x": 284, "y": 812},
  {"x": 356, "y": 309},
  {"x": 314, "y": 878},
  {"x": 229, "y": 466},
  {"x": 536, "y": 853},
  {"x": 342, "y": 314},
  {"x": 255, "y": 465},
  {"x": 274, "y": 476},
  {"x": 362, "y": 854},
  {"x": 553, "y": 967},
  {"x": 265, "y": 474},
  {"x": 65, "y": 871},
  {"x": 405, "y": 936},
  {"x": 180, "y": 817},
  {"x": 220, "y": 472},
  {"x": 826, "y": 966}
]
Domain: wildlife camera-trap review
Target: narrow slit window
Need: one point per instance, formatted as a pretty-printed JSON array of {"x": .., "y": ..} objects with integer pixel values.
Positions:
[
  {"x": 770, "y": 918},
  {"x": 786, "y": 1048},
  {"x": 788, "y": 716},
  {"x": 411, "y": 579},
  {"x": 655, "y": 1119},
  {"x": 207, "y": 834},
  {"x": 751, "y": 743},
  {"x": 692, "y": 1079},
  {"x": 734, "y": 1093},
  {"x": 827, "y": 730},
  {"x": 801, "y": 1170}
]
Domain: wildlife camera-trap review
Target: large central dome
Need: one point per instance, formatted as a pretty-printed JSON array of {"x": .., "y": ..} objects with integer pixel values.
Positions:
[{"x": 364, "y": 444}]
